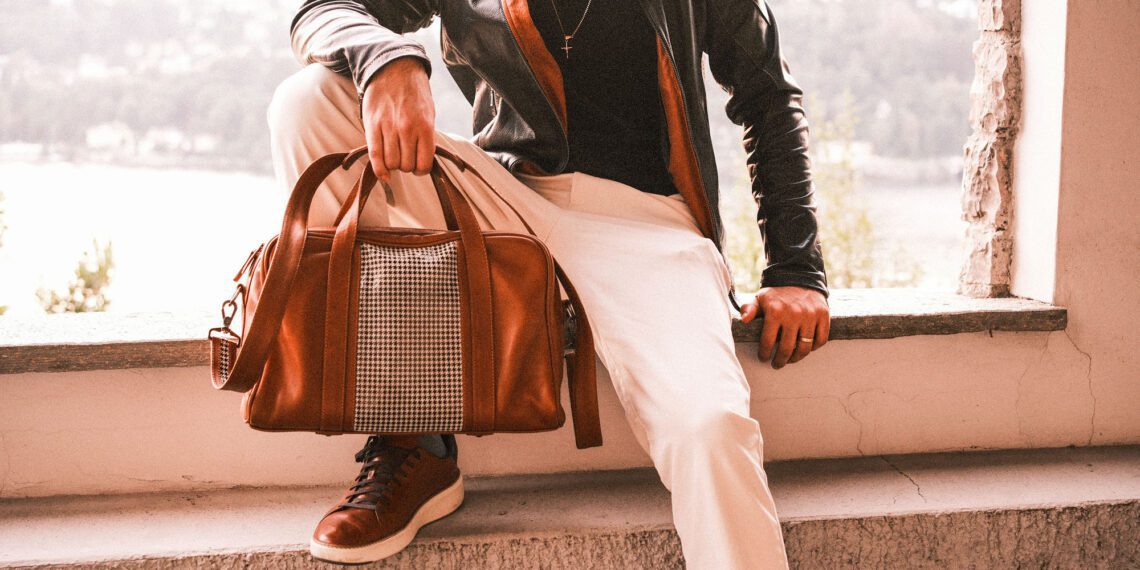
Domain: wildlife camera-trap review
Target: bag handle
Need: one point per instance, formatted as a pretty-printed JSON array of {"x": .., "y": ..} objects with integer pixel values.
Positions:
[
  {"x": 266, "y": 322},
  {"x": 476, "y": 267},
  {"x": 580, "y": 366}
]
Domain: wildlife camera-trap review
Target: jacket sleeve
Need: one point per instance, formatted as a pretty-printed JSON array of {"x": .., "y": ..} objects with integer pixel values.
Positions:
[
  {"x": 355, "y": 38},
  {"x": 744, "y": 57}
]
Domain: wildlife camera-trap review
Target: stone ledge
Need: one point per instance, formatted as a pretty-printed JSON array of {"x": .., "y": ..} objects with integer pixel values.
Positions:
[
  {"x": 1057, "y": 508},
  {"x": 102, "y": 341}
]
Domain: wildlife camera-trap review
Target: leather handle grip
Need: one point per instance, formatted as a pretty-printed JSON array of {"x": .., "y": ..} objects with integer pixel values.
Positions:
[{"x": 448, "y": 213}]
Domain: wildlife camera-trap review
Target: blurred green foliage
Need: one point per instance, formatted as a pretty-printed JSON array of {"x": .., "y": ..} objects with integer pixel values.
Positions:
[
  {"x": 855, "y": 254},
  {"x": 87, "y": 292}
]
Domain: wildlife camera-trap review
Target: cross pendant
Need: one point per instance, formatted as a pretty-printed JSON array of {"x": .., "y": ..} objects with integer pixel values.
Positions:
[{"x": 566, "y": 45}]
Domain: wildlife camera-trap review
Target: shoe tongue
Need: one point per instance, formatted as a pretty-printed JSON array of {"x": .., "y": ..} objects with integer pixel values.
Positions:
[{"x": 404, "y": 441}]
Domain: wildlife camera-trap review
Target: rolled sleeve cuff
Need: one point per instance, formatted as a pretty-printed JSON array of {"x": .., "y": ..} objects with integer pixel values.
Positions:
[{"x": 364, "y": 73}]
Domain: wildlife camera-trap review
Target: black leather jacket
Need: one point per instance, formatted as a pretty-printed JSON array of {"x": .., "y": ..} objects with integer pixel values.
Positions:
[{"x": 496, "y": 56}]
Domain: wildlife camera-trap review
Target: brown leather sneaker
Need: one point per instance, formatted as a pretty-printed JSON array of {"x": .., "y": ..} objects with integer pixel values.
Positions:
[{"x": 401, "y": 487}]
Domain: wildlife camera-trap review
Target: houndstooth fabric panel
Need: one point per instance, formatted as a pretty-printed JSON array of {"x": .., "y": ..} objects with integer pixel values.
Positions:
[
  {"x": 223, "y": 348},
  {"x": 409, "y": 369},
  {"x": 224, "y": 360}
]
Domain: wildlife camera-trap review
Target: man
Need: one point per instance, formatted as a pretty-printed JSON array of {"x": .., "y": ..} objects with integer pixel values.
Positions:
[{"x": 589, "y": 117}]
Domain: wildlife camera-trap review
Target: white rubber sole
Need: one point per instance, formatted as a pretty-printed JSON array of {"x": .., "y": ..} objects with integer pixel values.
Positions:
[{"x": 439, "y": 506}]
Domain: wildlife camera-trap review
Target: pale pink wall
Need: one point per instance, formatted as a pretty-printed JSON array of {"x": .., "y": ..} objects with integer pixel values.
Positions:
[
  {"x": 167, "y": 429},
  {"x": 1098, "y": 237},
  {"x": 1037, "y": 152}
]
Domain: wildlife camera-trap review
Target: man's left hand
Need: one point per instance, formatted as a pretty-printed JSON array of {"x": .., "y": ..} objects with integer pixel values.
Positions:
[{"x": 796, "y": 321}]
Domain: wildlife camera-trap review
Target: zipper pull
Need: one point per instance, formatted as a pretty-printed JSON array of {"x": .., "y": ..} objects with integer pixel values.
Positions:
[
  {"x": 732, "y": 299},
  {"x": 731, "y": 283}
]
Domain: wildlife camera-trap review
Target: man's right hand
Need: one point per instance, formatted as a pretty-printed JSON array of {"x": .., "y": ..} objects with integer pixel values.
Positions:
[{"x": 399, "y": 118}]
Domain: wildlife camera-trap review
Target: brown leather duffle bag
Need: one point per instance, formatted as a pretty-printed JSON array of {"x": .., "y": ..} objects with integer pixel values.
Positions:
[{"x": 398, "y": 331}]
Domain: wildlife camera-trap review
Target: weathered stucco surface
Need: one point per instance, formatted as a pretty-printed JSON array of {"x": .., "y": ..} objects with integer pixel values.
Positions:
[
  {"x": 1044, "y": 508},
  {"x": 1092, "y": 536},
  {"x": 1098, "y": 215},
  {"x": 166, "y": 429}
]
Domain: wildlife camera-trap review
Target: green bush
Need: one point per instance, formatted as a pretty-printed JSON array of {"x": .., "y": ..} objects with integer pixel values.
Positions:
[
  {"x": 856, "y": 255},
  {"x": 88, "y": 291}
]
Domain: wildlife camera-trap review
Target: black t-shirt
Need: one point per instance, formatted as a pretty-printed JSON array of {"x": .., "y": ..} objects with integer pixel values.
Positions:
[{"x": 613, "y": 106}]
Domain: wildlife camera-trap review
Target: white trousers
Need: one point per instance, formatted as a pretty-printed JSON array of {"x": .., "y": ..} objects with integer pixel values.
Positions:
[{"x": 655, "y": 290}]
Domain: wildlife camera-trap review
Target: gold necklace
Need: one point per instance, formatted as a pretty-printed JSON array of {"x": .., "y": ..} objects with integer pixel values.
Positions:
[{"x": 567, "y": 37}]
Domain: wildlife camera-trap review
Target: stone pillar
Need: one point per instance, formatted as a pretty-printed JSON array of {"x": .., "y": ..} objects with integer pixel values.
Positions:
[{"x": 987, "y": 183}]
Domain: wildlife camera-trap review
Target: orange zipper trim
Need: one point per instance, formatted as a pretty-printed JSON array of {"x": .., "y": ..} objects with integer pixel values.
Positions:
[
  {"x": 543, "y": 68},
  {"x": 683, "y": 163}
]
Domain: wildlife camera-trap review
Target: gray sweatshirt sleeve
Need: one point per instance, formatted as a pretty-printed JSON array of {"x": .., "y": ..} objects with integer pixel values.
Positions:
[{"x": 356, "y": 38}]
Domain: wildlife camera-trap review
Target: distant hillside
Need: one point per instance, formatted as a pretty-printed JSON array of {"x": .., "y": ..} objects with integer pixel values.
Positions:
[{"x": 176, "y": 81}]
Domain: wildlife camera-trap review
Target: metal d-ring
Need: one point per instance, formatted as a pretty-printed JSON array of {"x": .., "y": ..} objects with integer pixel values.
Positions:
[
  {"x": 570, "y": 332},
  {"x": 228, "y": 318}
]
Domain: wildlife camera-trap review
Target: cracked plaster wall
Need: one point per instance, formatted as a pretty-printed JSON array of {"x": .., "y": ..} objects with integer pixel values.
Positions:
[
  {"x": 1098, "y": 224},
  {"x": 160, "y": 429}
]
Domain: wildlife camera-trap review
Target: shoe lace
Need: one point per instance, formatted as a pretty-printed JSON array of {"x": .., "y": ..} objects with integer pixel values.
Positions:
[{"x": 382, "y": 470}]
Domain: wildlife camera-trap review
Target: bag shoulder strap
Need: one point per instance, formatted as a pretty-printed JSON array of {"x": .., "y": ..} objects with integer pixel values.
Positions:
[{"x": 580, "y": 368}]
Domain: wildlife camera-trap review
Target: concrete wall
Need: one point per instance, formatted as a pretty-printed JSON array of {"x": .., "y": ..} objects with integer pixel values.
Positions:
[
  {"x": 1098, "y": 220},
  {"x": 162, "y": 429},
  {"x": 1037, "y": 152}
]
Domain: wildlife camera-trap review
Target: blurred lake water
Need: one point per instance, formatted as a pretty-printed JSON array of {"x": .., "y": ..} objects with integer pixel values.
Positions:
[{"x": 179, "y": 235}]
